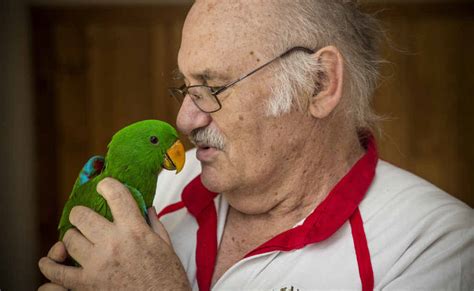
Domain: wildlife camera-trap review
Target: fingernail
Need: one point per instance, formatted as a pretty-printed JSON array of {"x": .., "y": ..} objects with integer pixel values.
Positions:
[
  {"x": 152, "y": 210},
  {"x": 41, "y": 262},
  {"x": 100, "y": 185}
]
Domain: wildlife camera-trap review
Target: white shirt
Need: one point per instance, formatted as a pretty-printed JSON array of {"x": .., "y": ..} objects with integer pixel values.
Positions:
[{"x": 402, "y": 233}]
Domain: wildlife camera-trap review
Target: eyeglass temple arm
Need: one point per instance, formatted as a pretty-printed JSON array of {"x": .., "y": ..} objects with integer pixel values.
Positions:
[{"x": 297, "y": 48}]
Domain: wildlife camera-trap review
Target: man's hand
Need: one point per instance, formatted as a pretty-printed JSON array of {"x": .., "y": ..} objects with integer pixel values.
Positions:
[{"x": 125, "y": 254}]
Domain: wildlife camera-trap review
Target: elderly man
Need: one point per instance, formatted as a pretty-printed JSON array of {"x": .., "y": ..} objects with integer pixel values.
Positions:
[{"x": 287, "y": 192}]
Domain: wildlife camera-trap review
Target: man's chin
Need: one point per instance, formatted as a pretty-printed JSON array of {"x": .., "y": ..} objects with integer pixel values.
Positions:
[{"x": 210, "y": 179}]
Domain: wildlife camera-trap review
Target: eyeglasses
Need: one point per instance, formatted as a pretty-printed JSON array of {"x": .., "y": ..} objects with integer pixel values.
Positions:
[{"x": 205, "y": 97}]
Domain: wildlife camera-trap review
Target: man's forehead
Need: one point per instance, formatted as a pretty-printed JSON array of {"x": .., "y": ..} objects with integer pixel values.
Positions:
[
  {"x": 232, "y": 14},
  {"x": 220, "y": 35},
  {"x": 229, "y": 6},
  {"x": 224, "y": 24}
]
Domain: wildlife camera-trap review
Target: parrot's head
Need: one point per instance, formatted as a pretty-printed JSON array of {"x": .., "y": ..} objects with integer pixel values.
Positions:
[{"x": 149, "y": 145}]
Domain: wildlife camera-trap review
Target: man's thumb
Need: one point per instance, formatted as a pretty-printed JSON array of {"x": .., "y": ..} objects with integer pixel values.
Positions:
[{"x": 157, "y": 226}]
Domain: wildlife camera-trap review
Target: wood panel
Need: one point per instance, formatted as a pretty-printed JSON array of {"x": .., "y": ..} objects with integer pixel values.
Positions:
[
  {"x": 71, "y": 122},
  {"x": 425, "y": 96},
  {"x": 119, "y": 79}
]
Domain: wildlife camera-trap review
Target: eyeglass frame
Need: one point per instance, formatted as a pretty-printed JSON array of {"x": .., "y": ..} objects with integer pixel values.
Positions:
[{"x": 214, "y": 91}]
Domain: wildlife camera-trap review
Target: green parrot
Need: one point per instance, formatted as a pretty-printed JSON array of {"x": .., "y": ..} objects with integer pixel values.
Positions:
[{"x": 136, "y": 154}]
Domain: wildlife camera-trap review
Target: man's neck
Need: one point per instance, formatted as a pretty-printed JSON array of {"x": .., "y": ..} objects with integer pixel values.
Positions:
[{"x": 293, "y": 194}]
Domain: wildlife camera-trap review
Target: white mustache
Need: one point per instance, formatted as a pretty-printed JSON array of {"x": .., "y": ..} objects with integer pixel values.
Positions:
[{"x": 207, "y": 137}]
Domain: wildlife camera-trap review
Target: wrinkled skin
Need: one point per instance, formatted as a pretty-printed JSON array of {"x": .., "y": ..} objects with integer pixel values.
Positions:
[{"x": 105, "y": 250}]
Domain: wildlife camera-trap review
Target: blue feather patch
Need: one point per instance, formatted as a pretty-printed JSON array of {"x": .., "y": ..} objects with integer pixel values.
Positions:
[{"x": 91, "y": 169}]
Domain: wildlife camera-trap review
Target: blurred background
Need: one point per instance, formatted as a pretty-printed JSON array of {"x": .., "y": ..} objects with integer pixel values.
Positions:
[{"x": 73, "y": 72}]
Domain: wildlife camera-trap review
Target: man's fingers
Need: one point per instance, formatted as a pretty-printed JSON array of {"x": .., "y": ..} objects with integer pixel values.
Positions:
[
  {"x": 77, "y": 245},
  {"x": 157, "y": 226},
  {"x": 51, "y": 287},
  {"x": 69, "y": 277},
  {"x": 121, "y": 203},
  {"x": 93, "y": 226},
  {"x": 58, "y": 252}
]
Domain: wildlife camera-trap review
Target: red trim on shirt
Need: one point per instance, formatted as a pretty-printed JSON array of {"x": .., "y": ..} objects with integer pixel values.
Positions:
[
  {"x": 340, "y": 205},
  {"x": 200, "y": 203},
  {"x": 171, "y": 208},
  {"x": 362, "y": 251}
]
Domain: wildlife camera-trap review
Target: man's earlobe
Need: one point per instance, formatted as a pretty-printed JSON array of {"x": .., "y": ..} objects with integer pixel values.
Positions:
[{"x": 328, "y": 86}]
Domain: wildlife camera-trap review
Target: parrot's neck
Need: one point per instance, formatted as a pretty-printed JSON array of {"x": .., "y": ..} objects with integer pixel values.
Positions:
[{"x": 136, "y": 177}]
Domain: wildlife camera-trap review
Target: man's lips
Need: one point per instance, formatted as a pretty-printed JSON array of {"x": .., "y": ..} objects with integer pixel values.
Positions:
[
  {"x": 206, "y": 153},
  {"x": 204, "y": 145}
]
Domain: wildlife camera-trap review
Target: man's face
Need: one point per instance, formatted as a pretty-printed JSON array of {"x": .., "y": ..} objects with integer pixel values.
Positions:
[{"x": 221, "y": 43}]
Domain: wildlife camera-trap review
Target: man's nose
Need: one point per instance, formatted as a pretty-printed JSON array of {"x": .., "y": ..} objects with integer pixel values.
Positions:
[{"x": 191, "y": 117}]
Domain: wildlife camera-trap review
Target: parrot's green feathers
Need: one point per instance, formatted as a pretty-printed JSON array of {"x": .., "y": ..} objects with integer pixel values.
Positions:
[{"x": 136, "y": 154}]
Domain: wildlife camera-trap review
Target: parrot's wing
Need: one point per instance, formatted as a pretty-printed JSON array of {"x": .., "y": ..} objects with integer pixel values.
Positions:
[
  {"x": 85, "y": 195},
  {"x": 93, "y": 168}
]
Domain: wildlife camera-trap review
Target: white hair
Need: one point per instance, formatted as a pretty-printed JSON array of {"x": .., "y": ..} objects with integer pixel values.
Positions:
[
  {"x": 293, "y": 80},
  {"x": 316, "y": 24},
  {"x": 207, "y": 136}
]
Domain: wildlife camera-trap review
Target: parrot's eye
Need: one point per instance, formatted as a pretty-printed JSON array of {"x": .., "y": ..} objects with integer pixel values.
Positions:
[{"x": 154, "y": 140}]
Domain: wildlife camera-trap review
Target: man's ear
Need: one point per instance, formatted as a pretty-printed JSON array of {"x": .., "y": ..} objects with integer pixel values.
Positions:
[{"x": 329, "y": 82}]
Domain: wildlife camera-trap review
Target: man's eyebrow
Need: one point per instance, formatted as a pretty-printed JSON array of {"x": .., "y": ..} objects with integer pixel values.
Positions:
[
  {"x": 178, "y": 75},
  {"x": 203, "y": 76}
]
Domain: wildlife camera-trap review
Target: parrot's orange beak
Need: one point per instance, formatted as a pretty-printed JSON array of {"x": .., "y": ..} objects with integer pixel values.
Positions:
[{"x": 175, "y": 157}]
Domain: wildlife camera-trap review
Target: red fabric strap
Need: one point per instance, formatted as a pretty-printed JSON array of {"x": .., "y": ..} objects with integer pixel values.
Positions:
[
  {"x": 200, "y": 203},
  {"x": 362, "y": 251},
  {"x": 206, "y": 250},
  {"x": 171, "y": 208}
]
